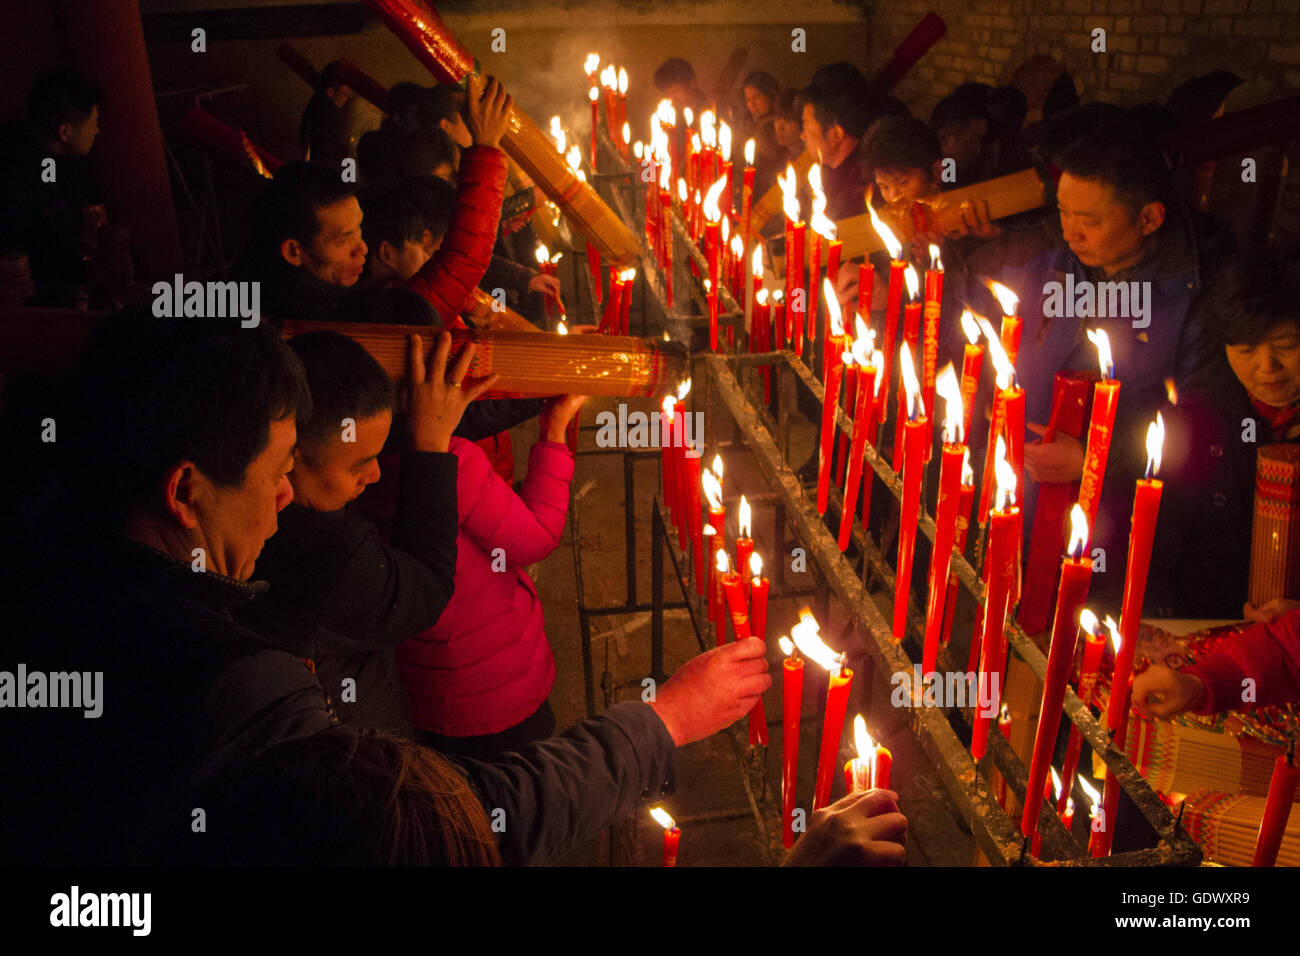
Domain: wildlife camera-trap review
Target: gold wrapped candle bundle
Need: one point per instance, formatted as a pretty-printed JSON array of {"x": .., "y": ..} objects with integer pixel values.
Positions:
[
  {"x": 422, "y": 30},
  {"x": 1275, "y": 541},
  {"x": 536, "y": 363}
]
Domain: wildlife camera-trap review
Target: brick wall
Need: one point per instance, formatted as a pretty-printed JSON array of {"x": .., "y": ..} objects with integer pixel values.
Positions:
[{"x": 1152, "y": 46}]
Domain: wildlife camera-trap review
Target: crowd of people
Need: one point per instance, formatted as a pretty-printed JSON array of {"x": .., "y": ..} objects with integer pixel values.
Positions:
[{"x": 305, "y": 587}]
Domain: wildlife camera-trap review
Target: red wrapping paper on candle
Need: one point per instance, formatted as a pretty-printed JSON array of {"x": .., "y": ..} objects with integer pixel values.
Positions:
[
  {"x": 1105, "y": 399},
  {"x": 945, "y": 523},
  {"x": 930, "y": 315},
  {"x": 836, "y": 343},
  {"x": 1146, "y": 507},
  {"x": 1002, "y": 564},
  {"x": 1076, "y": 575},
  {"x": 733, "y": 593},
  {"x": 864, "y": 421},
  {"x": 972, "y": 361},
  {"x": 837, "y": 705},
  {"x": 672, "y": 837},
  {"x": 1281, "y": 796},
  {"x": 911, "y": 335},
  {"x": 1069, "y": 397},
  {"x": 796, "y": 296},
  {"x": 913, "y": 442},
  {"x": 219, "y": 138},
  {"x": 791, "y": 702}
]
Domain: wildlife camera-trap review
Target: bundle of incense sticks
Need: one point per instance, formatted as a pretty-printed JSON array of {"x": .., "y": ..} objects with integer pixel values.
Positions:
[
  {"x": 536, "y": 363},
  {"x": 224, "y": 140},
  {"x": 418, "y": 26},
  {"x": 1275, "y": 541},
  {"x": 1006, "y": 196},
  {"x": 1227, "y": 826}
]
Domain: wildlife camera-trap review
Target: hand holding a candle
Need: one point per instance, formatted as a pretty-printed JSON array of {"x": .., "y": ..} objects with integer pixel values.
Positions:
[
  {"x": 1161, "y": 692},
  {"x": 862, "y": 829},
  {"x": 549, "y": 286},
  {"x": 713, "y": 690},
  {"x": 1059, "y": 461}
]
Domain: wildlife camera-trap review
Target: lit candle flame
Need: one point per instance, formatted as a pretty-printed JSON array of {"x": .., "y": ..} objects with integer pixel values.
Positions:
[
  {"x": 789, "y": 194},
  {"x": 737, "y": 246},
  {"x": 717, "y": 466},
  {"x": 1056, "y": 784},
  {"x": 1115, "y": 639},
  {"x": 669, "y": 405},
  {"x": 574, "y": 157},
  {"x": 910, "y": 385},
  {"x": 666, "y": 177},
  {"x": 627, "y": 133},
  {"x": 1005, "y": 476},
  {"x": 886, "y": 235},
  {"x": 749, "y": 152},
  {"x": 681, "y": 190},
  {"x": 864, "y": 344},
  {"x": 708, "y": 132},
  {"x": 1006, "y": 298},
  {"x": 592, "y": 63},
  {"x": 557, "y": 129},
  {"x": 833, "y": 308},
  {"x": 807, "y": 638},
  {"x": 761, "y": 297},
  {"x": 862, "y": 741},
  {"x": 935, "y": 262},
  {"x": 689, "y": 115},
  {"x": 778, "y": 296},
  {"x": 724, "y": 141},
  {"x": 1088, "y": 621},
  {"x": 756, "y": 263},
  {"x": 1091, "y": 792},
  {"x": 970, "y": 326},
  {"x": 622, "y": 81},
  {"x": 662, "y": 818},
  {"x": 1078, "y": 532},
  {"x": 756, "y": 566},
  {"x": 638, "y": 148},
  {"x": 723, "y": 563},
  {"x": 666, "y": 112},
  {"x": 787, "y": 646},
  {"x": 743, "y": 517},
  {"x": 1001, "y": 363},
  {"x": 913, "y": 282},
  {"x": 712, "y": 489},
  {"x": 967, "y": 472},
  {"x": 1155, "y": 445},
  {"x": 818, "y": 221},
  {"x": 1171, "y": 392},
  {"x": 711, "y": 210},
  {"x": 593, "y": 94},
  {"x": 543, "y": 254},
  {"x": 683, "y": 390},
  {"x": 948, "y": 387},
  {"x": 726, "y": 229},
  {"x": 562, "y": 329},
  {"x": 1099, "y": 338}
]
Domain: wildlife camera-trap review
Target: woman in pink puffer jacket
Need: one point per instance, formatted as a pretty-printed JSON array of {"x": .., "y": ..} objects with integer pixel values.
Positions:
[{"x": 478, "y": 679}]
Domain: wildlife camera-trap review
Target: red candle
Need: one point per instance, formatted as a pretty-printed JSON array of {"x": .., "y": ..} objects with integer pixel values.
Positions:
[
  {"x": 1076, "y": 575},
  {"x": 930, "y": 336},
  {"x": 860, "y": 771},
  {"x": 1004, "y": 728},
  {"x": 1105, "y": 398},
  {"x": 911, "y": 335},
  {"x": 953, "y": 458},
  {"x": 913, "y": 442},
  {"x": 757, "y": 627},
  {"x": 864, "y": 421},
  {"x": 609, "y": 318},
  {"x": 791, "y": 701},
  {"x": 1146, "y": 506},
  {"x": 672, "y": 835},
  {"x": 593, "y": 265},
  {"x": 972, "y": 360},
  {"x": 796, "y": 293},
  {"x": 1002, "y": 565},
  {"x": 692, "y": 485},
  {"x": 667, "y": 458},
  {"x": 894, "y": 302},
  {"x": 965, "y": 499},
  {"x": 626, "y": 304},
  {"x": 747, "y": 189},
  {"x": 733, "y": 593},
  {"x": 866, "y": 278},
  {"x": 836, "y": 344},
  {"x": 1011, "y": 324},
  {"x": 594, "y": 96},
  {"x": 834, "y": 249},
  {"x": 667, "y": 245},
  {"x": 779, "y": 320},
  {"x": 1093, "y": 646},
  {"x": 712, "y": 242},
  {"x": 1281, "y": 795},
  {"x": 837, "y": 704}
]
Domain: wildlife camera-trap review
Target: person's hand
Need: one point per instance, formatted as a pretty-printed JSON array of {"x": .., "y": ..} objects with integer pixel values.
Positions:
[
  {"x": 435, "y": 398},
  {"x": 713, "y": 690},
  {"x": 846, "y": 293},
  {"x": 1160, "y": 691},
  {"x": 487, "y": 115},
  {"x": 1059, "y": 462},
  {"x": 1266, "y": 613},
  {"x": 558, "y": 413},
  {"x": 548, "y": 286},
  {"x": 973, "y": 220},
  {"x": 862, "y": 829}
]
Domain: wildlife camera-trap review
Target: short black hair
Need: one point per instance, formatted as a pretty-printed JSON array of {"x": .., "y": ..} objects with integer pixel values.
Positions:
[
  {"x": 956, "y": 110},
  {"x": 62, "y": 96},
  {"x": 1008, "y": 107},
  {"x": 287, "y": 208},
  {"x": 389, "y": 217},
  {"x": 434, "y": 198},
  {"x": 673, "y": 71},
  {"x": 840, "y": 73},
  {"x": 765, "y": 83},
  {"x": 834, "y": 105},
  {"x": 149, "y": 393},
  {"x": 897, "y": 143},
  {"x": 345, "y": 382},
  {"x": 1122, "y": 154},
  {"x": 1252, "y": 296}
]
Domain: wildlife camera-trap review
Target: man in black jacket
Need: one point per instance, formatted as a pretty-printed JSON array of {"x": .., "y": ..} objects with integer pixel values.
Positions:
[{"x": 180, "y": 447}]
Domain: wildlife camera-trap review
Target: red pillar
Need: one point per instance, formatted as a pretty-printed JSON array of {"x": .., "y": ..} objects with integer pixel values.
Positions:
[{"x": 106, "y": 42}]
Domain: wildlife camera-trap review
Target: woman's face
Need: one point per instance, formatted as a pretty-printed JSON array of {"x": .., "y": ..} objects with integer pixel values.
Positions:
[
  {"x": 757, "y": 104},
  {"x": 1270, "y": 371}
]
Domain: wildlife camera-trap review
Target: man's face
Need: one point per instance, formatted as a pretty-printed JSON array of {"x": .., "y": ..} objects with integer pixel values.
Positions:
[
  {"x": 788, "y": 132},
  {"x": 77, "y": 138},
  {"x": 431, "y": 243},
  {"x": 900, "y": 185},
  {"x": 1270, "y": 371},
  {"x": 757, "y": 104},
  {"x": 235, "y": 522},
  {"x": 813, "y": 136},
  {"x": 1101, "y": 230},
  {"x": 326, "y": 479},
  {"x": 338, "y": 254},
  {"x": 457, "y": 130},
  {"x": 406, "y": 261}
]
